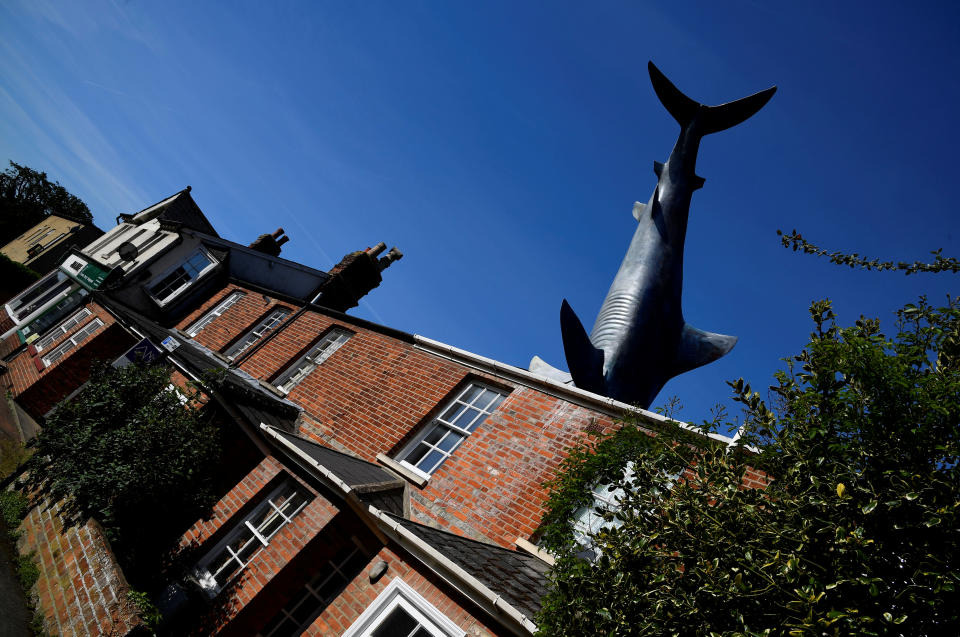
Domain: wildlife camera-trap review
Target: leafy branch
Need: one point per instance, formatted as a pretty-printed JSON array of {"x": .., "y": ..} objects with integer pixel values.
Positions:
[{"x": 796, "y": 242}]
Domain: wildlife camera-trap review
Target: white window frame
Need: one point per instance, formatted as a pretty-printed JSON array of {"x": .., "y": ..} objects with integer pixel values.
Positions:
[
  {"x": 74, "y": 341},
  {"x": 63, "y": 283},
  {"x": 198, "y": 326},
  {"x": 192, "y": 276},
  {"x": 304, "y": 366},
  {"x": 263, "y": 327},
  {"x": 61, "y": 328},
  {"x": 207, "y": 580},
  {"x": 454, "y": 426},
  {"x": 399, "y": 593},
  {"x": 587, "y": 522}
]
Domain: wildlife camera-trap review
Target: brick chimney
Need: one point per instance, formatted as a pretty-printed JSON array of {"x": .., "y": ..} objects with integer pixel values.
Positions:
[
  {"x": 270, "y": 243},
  {"x": 354, "y": 277}
]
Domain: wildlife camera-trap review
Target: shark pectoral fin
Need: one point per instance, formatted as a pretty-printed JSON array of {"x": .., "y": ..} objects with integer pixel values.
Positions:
[
  {"x": 638, "y": 209},
  {"x": 698, "y": 348},
  {"x": 583, "y": 359},
  {"x": 657, "y": 168}
]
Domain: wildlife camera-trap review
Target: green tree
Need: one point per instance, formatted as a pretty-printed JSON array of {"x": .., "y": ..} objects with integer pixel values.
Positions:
[
  {"x": 132, "y": 452},
  {"x": 857, "y": 533},
  {"x": 27, "y": 197}
]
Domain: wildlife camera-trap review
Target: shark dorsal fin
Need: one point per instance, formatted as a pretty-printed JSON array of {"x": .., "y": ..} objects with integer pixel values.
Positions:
[
  {"x": 698, "y": 348},
  {"x": 657, "y": 168},
  {"x": 584, "y": 360},
  {"x": 698, "y": 182},
  {"x": 638, "y": 209}
]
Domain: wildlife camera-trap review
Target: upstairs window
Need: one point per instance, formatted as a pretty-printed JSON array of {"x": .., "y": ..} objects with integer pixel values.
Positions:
[
  {"x": 249, "y": 535},
  {"x": 456, "y": 421},
  {"x": 41, "y": 294},
  {"x": 171, "y": 283},
  {"x": 71, "y": 343},
  {"x": 261, "y": 329},
  {"x": 220, "y": 308},
  {"x": 588, "y": 521},
  {"x": 312, "y": 359},
  {"x": 48, "y": 339},
  {"x": 591, "y": 519}
]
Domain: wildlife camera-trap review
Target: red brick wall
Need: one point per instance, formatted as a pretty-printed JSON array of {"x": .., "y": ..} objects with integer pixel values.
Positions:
[
  {"x": 375, "y": 392},
  {"x": 23, "y": 369},
  {"x": 238, "y": 318},
  {"x": 81, "y": 590},
  {"x": 67, "y": 374},
  {"x": 270, "y": 560}
]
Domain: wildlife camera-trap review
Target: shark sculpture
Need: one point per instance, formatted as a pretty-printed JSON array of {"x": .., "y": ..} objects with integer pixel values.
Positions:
[{"x": 640, "y": 340}]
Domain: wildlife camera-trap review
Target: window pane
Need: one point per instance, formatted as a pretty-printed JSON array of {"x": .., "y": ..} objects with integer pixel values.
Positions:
[
  {"x": 418, "y": 452},
  {"x": 305, "y": 610},
  {"x": 471, "y": 393},
  {"x": 430, "y": 462},
  {"x": 468, "y": 420},
  {"x": 397, "y": 624},
  {"x": 450, "y": 441},
  {"x": 249, "y": 547},
  {"x": 281, "y": 626},
  {"x": 222, "y": 560},
  {"x": 435, "y": 435},
  {"x": 451, "y": 414},
  {"x": 484, "y": 400}
]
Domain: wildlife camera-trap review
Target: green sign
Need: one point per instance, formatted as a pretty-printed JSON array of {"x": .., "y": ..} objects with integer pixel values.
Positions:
[{"x": 91, "y": 276}]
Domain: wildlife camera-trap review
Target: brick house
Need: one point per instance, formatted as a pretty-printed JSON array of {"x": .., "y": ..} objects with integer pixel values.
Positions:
[{"x": 386, "y": 483}]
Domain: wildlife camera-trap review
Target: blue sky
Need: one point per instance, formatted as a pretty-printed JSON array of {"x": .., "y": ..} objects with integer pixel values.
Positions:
[{"x": 501, "y": 146}]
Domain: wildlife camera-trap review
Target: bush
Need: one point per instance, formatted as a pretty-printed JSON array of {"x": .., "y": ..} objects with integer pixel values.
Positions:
[{"x": 858, "y": 532}]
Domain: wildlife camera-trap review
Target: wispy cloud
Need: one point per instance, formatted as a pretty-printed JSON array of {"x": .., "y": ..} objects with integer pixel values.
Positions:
[{"x": 74, "y": 143}]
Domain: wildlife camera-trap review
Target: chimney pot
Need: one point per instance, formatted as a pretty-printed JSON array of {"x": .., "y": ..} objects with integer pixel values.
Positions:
[
  {"x": 377, "y": 249},
  {"x": 276, "y": 233}
]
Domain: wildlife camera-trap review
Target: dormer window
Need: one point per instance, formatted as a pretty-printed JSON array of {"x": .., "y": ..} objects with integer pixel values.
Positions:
[{"x": 173, "y": 282}]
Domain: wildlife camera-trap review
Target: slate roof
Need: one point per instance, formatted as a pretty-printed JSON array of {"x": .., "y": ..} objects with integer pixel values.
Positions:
[
  {"x": 181, "y": 208},
  {"x": 356, "y": 473},
  {"x": 518, "y": 577},
  {"x": 246, "y": 396}
]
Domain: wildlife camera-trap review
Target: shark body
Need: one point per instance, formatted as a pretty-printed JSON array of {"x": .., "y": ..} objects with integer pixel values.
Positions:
[{"x": 640, "y": 339}]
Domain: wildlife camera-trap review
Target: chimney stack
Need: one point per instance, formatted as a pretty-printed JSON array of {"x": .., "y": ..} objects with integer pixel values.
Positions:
[
  {"x": 270, "y": 243},
  {"x": 355, "y": 276}
]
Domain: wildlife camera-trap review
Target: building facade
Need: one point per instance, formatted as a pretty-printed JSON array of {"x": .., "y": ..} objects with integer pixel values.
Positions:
[{"x": 386, "y": 483}]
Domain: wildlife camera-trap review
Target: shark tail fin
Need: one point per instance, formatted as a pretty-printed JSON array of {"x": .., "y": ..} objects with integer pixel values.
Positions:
[
  {"x": 698, "y": 348},
  {"x": 715, "y": 118},
  {"x": 584, "y": 360}
]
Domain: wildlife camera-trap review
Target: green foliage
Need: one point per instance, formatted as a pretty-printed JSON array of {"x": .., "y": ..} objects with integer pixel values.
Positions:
[
  {"x": 858, "y": 533},
  {"x": 146, "y": 609},
  {"x": 13, "y": 508},
  {"x": 14, "y": 277},
  {"x": 27, "y": 570},
  {"x": 27, "y": 197},
  {"x": 129, "y": 452},
  {"x": 796, "y": 242}
]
